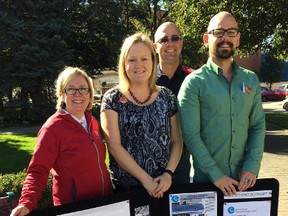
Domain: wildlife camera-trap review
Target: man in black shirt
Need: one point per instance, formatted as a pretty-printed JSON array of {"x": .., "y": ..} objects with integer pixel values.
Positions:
[{"x": 168, "y": 43}]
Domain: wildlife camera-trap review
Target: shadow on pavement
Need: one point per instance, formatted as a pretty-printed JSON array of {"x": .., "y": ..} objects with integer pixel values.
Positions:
[{"x": 276, "y": 140}]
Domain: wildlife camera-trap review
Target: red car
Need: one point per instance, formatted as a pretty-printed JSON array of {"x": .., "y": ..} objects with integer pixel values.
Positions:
[{"x": 275, "y": 94}]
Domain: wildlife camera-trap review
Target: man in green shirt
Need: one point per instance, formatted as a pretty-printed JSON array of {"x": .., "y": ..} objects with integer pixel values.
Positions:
[{"x": 223, "y": 122}]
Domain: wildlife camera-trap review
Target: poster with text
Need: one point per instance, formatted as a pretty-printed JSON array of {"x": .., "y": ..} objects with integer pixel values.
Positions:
[
  {"x": 193, "y": 204},
  {"x": 251, "y": 208},
  {"x": 248, "y": 208}
]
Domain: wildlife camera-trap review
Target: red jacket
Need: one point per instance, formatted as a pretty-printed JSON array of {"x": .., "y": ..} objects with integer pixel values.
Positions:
[{"x": 75, "y": 158}]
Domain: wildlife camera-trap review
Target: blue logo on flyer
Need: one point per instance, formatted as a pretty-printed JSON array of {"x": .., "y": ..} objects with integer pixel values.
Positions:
[
  {"x": 175, "y": 198},
  {"x": 231, "y": 210}
]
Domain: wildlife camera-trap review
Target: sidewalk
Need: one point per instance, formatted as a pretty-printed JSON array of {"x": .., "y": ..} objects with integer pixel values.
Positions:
[
  {"x": 22, "y": 130},
  {"x": 274, "y": 163}
]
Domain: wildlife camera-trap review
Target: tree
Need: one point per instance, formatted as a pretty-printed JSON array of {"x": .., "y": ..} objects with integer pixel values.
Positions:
[
  {"x": 95, "y": 34},
  {"x": 263, "y": 25},
  {"x": 40, "y": 37},
  {"x": 144, "y": 15},
  {"x": 32, "y": 51},
  {"x": 278, "y": 46},
  {"x": 271, "y": 70}
]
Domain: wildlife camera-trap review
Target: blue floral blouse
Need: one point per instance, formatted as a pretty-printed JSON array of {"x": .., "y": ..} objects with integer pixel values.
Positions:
[{"x": 145, "y": 133}]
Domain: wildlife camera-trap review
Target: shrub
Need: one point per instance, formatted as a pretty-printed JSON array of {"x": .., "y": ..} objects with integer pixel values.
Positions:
[{"x": 14, "y": 182}]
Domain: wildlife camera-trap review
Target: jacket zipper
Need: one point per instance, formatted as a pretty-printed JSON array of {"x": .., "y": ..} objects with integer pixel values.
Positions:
[{"x": 97, "y": 151}]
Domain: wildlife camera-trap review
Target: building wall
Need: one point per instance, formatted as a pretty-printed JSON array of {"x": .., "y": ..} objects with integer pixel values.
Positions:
[
  {"x": 252, "y": 62},
  {"x": 105, "y": 81}
]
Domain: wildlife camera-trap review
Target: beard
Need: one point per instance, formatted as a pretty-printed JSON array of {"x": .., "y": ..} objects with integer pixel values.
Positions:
[{"x": 224, "y": 53}]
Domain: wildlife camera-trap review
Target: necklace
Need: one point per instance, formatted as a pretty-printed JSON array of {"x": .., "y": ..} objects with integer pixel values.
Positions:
[{"x": 137, "y": 100}]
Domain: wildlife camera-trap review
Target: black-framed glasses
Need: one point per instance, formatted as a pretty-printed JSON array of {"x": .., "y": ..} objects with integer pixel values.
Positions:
[
  {"x": 231, "y": 32},
  {"x": 174, "y": 38},
  {"x": 72, "y": 91}
]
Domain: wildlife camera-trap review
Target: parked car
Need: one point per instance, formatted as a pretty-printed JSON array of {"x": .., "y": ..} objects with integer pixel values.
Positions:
[
  {"x": 263, "y": 88},
  {"x": 285, "y": 105},
  {"x": 284, "y": 87},
  {"x": 275, "y": 94}
]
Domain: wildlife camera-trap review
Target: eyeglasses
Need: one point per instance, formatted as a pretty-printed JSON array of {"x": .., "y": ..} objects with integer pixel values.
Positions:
[
  {"x": 72, "y": 91},
  {"x": 231, "y": 32},
  {"x": 174, "y": 38}
]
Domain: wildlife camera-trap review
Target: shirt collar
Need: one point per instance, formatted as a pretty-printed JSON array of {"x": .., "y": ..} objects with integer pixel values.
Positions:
[
  {"x": 212, "y": 66},
  {"x": 81, "y": 121},
  {"x": 160, "y": 73}
]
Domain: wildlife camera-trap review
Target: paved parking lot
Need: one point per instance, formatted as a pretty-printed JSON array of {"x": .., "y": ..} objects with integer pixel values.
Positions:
[{"x": 275, "y": 106}]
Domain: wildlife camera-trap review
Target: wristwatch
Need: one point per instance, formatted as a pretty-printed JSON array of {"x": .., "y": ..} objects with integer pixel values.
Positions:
[{"x": 169, "y": 172}]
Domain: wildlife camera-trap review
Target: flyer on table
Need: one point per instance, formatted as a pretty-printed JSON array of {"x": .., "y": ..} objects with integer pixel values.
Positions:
[
  {"x": 193, "y": 203},
  {"x": 251, "y": 208}
]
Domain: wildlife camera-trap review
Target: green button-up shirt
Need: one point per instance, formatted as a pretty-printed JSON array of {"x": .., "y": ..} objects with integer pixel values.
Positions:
[{"x": 223, "y": 124}]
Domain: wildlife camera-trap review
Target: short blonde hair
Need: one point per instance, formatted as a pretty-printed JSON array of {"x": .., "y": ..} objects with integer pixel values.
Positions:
[
  {"x": 64, "y": 78},
  {"x": 124, "y": 81}
]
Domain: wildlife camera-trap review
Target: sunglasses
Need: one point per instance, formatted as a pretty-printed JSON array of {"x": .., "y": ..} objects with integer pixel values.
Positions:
[{"x": 174, "y": 38}]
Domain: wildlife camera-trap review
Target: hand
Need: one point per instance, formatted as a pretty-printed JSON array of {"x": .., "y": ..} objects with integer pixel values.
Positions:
[
  {"x": 247, "y": 180},
  {"x": 227, "y": 185},
  {"x": 150, "y": 185},
  {"x": 164, "y": 183},
  {"x": 20, "y": 211}
]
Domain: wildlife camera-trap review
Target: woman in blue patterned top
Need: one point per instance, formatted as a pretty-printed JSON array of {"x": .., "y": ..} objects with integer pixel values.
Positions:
[{"x": 140, "y": 122}]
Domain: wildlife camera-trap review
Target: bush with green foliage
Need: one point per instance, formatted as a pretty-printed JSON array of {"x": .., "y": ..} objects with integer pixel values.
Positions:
[{"x": 13, "y": 183}]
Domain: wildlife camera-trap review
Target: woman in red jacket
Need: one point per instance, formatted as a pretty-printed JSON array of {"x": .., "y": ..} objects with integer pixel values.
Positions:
[{"x": 69, "y": 145}]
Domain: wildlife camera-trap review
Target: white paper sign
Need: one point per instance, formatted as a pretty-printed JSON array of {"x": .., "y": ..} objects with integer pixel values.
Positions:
[
  {"x": 119, "y": 209},
  {"x": 253, "y": 208},
  {"x": 251, "y": 194}
]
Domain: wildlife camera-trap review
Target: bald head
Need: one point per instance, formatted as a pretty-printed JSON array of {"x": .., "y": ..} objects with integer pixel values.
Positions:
[
  {"x": 221, "y": 19},
  {"x": 161, "y": 30}
]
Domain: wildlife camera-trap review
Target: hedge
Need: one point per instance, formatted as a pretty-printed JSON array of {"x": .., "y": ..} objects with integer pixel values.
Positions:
[{"x": 13, "y": 183}]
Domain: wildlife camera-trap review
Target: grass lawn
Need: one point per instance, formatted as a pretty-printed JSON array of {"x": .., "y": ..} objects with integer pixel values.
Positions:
[
  {"x": 279, "y": 119},
  {"x": 15, "y": 152}
]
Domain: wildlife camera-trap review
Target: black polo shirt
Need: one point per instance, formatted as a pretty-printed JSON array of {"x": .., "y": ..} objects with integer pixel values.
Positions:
[{"x": 175, "y": 82}]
